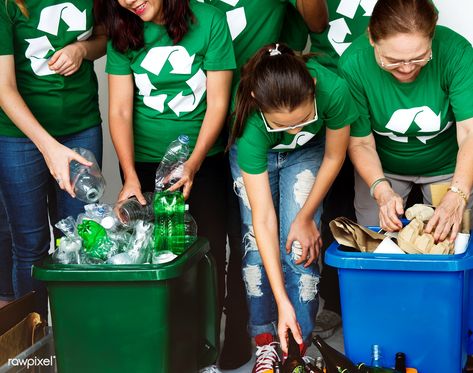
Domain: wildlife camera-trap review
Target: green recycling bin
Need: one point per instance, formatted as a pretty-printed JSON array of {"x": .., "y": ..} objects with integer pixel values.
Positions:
[{"x": 134, "y": 318}]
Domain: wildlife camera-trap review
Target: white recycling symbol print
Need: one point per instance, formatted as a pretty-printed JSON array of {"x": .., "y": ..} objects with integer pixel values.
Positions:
[
  {"x": 422, "y": 116},
  {"x": 300, "y": 139},
  {"x": 49, "y": 21},
  {"x": 236, "y": 18},
  {"x": 338, "y": 28},
  {"x": 181, "y": 63}
]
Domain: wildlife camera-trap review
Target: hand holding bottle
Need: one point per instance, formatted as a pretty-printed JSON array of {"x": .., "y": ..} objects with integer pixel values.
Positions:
[
  {"x": 287, "y": 320},
  {"x": 186, "y": 180},
  {"x": 58, "y": 158}
]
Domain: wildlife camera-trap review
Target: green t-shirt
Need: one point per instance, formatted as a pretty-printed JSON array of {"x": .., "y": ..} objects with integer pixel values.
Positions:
[
  {"x": 253, "y": 24},
  {"x": 170, "y": 79},
  {"x": 63, "y": 105},
  {"x": 335, "y": 108},
  {"x": 348, "y": 19},
  {"x": 413, "y": 123},
  {"x": 295, "y": 32}
]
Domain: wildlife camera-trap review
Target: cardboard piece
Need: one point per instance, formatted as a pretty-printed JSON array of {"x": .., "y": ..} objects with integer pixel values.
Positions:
[
  {"x": 15, "y": 311},
  {"x": 352, "y": 234}
]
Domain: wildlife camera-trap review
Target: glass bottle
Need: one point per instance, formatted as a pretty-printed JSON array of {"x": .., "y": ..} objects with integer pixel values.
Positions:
[
  {"x": 294, "y": 362},
  {"x": 335, "y": 361}
]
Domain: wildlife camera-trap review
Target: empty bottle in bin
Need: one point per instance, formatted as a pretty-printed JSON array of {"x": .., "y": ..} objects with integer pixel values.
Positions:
[
  {"x": 88, "y": 182},
  {"x": 169, "y": 209},
  {"x": 170, "y": 167},
  {"x": 131, "y": 210}
]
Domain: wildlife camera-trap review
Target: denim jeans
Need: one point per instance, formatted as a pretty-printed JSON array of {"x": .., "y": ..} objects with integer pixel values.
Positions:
[
  {"x": 6, "y": 284},
  {"x": 291, "y": 177},
  {"x": 24, "y": 182}
]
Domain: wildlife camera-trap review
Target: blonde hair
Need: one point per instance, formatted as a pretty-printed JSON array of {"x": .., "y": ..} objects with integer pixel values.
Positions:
[{"x": 20, "y": 4}]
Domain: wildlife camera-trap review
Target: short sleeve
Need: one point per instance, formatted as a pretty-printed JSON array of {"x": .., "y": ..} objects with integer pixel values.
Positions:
[
  {"x": 460, "y": 79},
  {"x": 342, "y": 109},
  {"x": 6, "y": 28},
  {"x": 117, "y": 63},
  {"x": 362, "y": 126},
  {"x": 219, "y": 54}
]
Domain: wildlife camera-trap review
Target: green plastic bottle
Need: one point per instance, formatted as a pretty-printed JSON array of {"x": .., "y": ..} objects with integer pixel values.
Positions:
[
  {"x": 94, "y": 239},
  {"x": 169, "y": 229}
]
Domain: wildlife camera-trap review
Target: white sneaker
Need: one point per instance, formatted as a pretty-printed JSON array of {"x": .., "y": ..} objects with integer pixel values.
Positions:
[
  {"x": 266, "y": 357},
  {"x": 210, "y": 369}
]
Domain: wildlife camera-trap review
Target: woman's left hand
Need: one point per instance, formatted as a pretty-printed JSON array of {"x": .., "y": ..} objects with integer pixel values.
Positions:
[
  {"x": 67, "y": 60},
  {"x": 305, "y": 231},
  {"x": 186, "y": 180},
  {"x": 447, "y": 217}
]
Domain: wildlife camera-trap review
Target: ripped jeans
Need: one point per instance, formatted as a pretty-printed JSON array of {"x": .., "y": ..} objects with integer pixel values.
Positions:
[{"x": 291, "y": 176}]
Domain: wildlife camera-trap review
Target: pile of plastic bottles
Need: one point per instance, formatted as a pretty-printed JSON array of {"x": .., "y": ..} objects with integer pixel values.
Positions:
[
  {"x": 129, "y": 232},
  {"x": 98, "y": 236}
]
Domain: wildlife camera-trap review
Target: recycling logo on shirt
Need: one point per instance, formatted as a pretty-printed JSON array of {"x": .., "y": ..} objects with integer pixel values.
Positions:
[
  {"x": 49, "y": 21},
  {"x": 236, "y": 18},
  {"x": 181, "y": 62},
  {"x": 338, "y": 28},
  {"x": 423, "y": 117},
  {"x": 300, "y": 139}
]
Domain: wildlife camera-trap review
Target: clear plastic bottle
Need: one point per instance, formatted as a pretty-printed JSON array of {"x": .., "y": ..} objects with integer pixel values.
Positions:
[
  {"x": 131, "y": 210},
  {"x": 88, "y": 182},
  {"x": 170, "y": 167},
  {"x": 190, "y": 225},
  {"x": 376, "y": 356}
]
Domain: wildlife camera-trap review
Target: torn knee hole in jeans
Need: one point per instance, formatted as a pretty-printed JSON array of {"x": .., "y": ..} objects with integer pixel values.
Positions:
[
  {"x": 240, "y": 191},
  {"x": 302, "y": 187},
  {"x": 253, "y": 280},
  {"x": 308, "y": 287}
]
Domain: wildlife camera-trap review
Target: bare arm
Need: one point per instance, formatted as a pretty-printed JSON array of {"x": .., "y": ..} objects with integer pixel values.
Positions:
[
  {"x": 120, "y": 113},
  {"x": 56, "y": 155},
  {"x": 218, "y": 96},
  {"x": 68, "y": 60},
  {"x": 315, "y": 14},
  {"x": 448, "y": 215},
  {"x": 365, "y": 158},
  {"x": 265, "y": 226},
  {"x": 303, "y": 228}
]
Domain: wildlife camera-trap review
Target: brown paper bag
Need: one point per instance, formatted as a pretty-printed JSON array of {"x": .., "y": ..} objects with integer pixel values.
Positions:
[
  {"x": 352, "y": 234},
  {"x": 21, "y": 336}
]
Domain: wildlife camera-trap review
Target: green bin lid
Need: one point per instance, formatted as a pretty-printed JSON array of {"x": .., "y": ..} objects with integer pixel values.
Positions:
[{"x": 49, "y": 271}]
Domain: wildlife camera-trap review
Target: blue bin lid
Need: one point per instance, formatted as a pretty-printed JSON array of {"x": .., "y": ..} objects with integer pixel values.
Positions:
[{"x": 399, "y": 262}]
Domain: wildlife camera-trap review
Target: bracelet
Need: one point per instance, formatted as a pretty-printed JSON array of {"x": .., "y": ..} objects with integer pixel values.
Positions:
[
  {"x": 375, "y": 184},
  {"x": 462, "y": 194}
]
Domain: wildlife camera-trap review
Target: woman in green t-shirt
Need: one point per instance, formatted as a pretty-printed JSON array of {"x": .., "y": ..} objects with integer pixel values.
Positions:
[
  {"x": 413, "y": 83},
  {"x": 291, "y": 130},
  {"x": 170, "y": 69},
  {"x": 48, "y": 105}
]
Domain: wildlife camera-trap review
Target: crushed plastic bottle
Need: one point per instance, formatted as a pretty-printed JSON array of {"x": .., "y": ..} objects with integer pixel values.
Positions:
[
  {"x": 131, "y": 210},
  {"x": 171, "y": 166},
  {"x": 96, "y": 242},
  {"x": 88, "y": 182}
]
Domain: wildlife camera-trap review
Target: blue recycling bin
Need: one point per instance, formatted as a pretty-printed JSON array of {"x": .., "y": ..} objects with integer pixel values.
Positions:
[{"x": 416, "y": 304}]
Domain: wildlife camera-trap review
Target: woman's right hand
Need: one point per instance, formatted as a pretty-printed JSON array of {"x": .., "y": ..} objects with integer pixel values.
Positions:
[
  {"x": 287, "y": 320},
  {"x": 58, "y": 157},
  {"x": 391, "y": 206},
  {"x": 131, "y": 188}
]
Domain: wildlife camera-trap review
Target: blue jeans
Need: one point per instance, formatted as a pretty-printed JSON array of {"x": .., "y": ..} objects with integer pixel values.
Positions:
[
  {"x": 291, "y": 177},
  {"x": 24, "y": 182}
]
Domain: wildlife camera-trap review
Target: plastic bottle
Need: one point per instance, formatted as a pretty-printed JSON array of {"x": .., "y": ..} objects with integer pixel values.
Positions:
[
  {"x": 170, "y": 167},
  {"x": 131, "y": 210},
  {"x": 95, "y": 240},
  {"x": 169, "y": 209},
  {"x": 376, "y": 356},
  {"x": 294, "y": 362},
  {"x": 190, "y": 225},
  {"x": 88, "y": 182},
  {"x": 335, "y": 361}
]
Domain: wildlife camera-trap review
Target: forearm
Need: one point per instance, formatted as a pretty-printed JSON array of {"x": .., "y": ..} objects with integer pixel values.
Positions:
[
  {"x": 94, "y": 47},
  {"x": 463, "y": 175},
  {"x": 268, "y": 244},
  {"x": 366, "y": 161},
  {"x": 16, "y": 109},
  {"x": 328, "y": 171},
  {"x": 315, "y": 14},
  {"x": 121, "y": 132}
]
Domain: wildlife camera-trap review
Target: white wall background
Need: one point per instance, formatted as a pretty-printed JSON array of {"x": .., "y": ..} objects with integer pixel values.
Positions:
[{"x": 456, "y": 14}]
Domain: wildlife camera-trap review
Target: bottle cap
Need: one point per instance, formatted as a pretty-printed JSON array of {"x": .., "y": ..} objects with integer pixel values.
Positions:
[
  {"x": 183, "y": 139},
  {"x": 107, "y": 222}
]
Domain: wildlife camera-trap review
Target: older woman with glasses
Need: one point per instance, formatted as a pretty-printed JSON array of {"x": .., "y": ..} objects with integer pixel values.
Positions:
[
  {"x": 413, "y": 83},
  {"x": 289, "y": 139}
]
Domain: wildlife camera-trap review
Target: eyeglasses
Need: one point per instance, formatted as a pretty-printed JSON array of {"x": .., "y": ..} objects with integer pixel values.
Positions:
[
  {"x": 288, "y": 128},
  {"x": 395, "y": 65}
]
